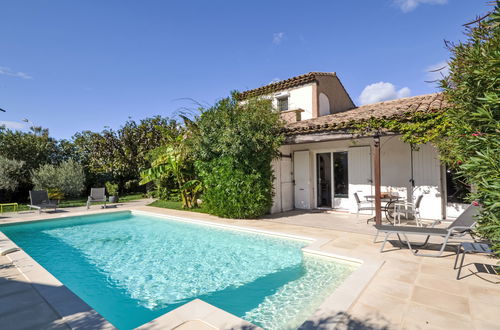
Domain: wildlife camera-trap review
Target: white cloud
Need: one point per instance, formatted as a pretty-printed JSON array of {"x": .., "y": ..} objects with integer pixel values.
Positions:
[
  {"x": 409, "y": 5},
  {"x": 8, "y": 72},
  {"x": 437, "y": 71},
  {"x": 278, "y": 37},
  {"x": 13, "y": 125},
  {"x": 382, "y": 91}
]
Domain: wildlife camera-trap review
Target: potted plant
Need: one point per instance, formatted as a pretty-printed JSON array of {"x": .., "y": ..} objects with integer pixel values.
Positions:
[
  {"x": 112, "y": 189},
  {"x": 55, "y": 194}
]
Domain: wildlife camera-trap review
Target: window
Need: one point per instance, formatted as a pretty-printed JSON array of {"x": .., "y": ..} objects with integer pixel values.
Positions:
[
  {"x": 456, "y": 189},
  {"x": 283, "y": 103},
  {"x": 340, "y": 175}
]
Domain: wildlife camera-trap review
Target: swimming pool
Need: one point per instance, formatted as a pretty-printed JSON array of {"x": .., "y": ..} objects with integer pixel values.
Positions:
[{"x": 134, "y": 267}]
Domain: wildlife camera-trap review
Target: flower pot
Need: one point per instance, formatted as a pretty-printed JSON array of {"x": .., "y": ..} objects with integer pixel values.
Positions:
[{"x": 113, "y": 199}]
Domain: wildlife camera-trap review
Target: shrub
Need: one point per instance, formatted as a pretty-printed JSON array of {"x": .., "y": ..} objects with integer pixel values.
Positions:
[
  {"x": 10, "y": 173},
  {"x": 471, "y": 144},
  {"x": 234, "y": 144},
  {"x": 68, "y": 178},
  {"x": 112, "y": 188}
]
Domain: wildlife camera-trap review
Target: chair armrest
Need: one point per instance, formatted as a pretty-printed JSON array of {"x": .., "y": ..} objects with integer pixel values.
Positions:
[
  {"x": 433, "y": 222},
  {"x": 403, "y": 204},
  {"x": 457, "y": 228}
]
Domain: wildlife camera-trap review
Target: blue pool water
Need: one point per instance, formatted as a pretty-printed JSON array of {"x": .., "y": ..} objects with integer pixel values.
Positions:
[{"x": 132, "y": 268}]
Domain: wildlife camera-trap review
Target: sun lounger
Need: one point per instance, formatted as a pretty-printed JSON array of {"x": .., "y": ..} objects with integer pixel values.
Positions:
[
  {"x": 40, "y": 200},
  {"x": 97, "y": 195},
  {"x": 458, "y": 228}
]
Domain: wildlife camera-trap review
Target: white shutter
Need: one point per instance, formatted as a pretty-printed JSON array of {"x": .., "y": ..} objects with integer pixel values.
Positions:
[
  {"x": 301, "y": 175},
  {"x": 427, "y": 173},
  {"x": 360, "y": 174}
]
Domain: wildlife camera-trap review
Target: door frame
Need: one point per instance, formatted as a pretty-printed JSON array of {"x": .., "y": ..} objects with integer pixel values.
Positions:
[{"x": 315, "y": 176}]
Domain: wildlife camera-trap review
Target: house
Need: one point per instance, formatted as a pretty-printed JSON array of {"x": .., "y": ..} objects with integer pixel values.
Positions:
[{"x": 322, "y": 166}]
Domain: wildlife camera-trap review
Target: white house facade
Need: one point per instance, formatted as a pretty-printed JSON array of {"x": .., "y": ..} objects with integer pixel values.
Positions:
[{"x": 322, "y": 168}]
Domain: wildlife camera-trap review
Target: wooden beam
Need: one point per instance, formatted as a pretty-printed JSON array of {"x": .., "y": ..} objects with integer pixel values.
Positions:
[{"x": 376, "y": 166}]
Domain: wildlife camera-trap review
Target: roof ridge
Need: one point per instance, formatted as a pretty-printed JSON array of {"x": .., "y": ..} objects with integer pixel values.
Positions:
[
  {"x": 285, "y": 83},
  {"x": 399, "y": 99}
]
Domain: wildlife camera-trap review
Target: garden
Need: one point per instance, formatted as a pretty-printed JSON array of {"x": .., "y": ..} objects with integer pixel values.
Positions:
[{"x": 219, "y": 161}]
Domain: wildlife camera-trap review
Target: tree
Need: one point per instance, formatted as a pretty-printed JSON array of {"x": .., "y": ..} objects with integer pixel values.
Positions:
[
  {"x": 10, "y": 173},
  {"x": 234, "y": 143},
  {"x": 471, "y": 142},
  {"x": 121, "y": 155},
  {"x": 68, "y": 178},
  {"x": 173, "y": 162},
  {"x": 33, "y": 148}
]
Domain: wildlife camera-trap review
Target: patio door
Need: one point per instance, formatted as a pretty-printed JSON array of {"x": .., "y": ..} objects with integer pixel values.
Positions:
[
  {"x": 324, "y": 179},
  {"x": 332, "y": 181}
]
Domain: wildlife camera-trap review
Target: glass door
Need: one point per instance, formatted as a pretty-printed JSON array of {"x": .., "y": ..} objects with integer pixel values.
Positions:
[
  {"x": 332, "y": 180},
  {"x": 340, "y": 180},
  {"x": 324, "y": 179}
]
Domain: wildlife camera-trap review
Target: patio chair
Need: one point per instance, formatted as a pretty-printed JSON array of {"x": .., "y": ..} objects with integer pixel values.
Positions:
[
  {"x": 458, "y": 228},
  {"x": 409, "y": 210},
  {"x": 39, "y": 200},
  {"x": 363, "y": 205},
  {"x": 97, "y": 195}
]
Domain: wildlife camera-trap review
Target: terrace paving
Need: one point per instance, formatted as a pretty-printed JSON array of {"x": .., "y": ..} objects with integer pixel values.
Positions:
[{"x": 408, "y": 292}]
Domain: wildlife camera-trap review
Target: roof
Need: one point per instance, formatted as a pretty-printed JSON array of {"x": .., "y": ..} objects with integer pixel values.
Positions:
[
  {"x": 284, "y": 84},
  {"x": 382, "y": 110}
]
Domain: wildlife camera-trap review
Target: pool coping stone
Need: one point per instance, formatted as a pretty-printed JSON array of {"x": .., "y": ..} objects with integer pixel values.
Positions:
[{"x": 76, "y": 313}]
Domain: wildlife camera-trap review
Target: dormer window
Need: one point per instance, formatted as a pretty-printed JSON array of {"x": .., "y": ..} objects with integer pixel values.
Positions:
[{"x": 283, "y": 103}]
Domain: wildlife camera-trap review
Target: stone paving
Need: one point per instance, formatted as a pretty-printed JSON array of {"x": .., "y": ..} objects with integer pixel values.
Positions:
[{"x": 408, "y": 292}]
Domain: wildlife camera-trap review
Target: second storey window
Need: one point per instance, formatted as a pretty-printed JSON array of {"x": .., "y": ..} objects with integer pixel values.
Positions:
[{"x": 283, "y": 103}]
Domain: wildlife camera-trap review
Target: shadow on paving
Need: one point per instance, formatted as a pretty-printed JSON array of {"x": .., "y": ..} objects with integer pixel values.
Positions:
[
  {"x": 22, "y": 307},
  {"x": 346, "y": 321}
]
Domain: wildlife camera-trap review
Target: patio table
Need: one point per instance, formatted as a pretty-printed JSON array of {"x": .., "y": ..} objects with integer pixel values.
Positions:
[{"x": 388, "y": 208}]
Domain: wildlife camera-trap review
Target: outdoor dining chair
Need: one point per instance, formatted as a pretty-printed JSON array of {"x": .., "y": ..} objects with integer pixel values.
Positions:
[{"x": 363, "y": 205}]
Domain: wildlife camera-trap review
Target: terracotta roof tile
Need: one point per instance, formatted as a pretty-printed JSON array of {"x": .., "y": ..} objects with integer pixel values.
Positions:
[
  {"x": 387, "y": 109},
  {"x": 284, "y": 84}
]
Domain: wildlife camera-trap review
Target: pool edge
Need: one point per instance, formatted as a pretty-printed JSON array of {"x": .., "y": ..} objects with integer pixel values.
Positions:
[{"x": 64, "y": 301}]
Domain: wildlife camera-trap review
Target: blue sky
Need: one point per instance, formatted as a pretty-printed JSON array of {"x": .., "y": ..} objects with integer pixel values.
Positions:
[{"x": 77, "y": 65}]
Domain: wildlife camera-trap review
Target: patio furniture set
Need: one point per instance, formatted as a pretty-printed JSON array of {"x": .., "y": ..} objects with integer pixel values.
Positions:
[
  {"x": 394, "y": 207},
  {"x": 39, "y": 200}
]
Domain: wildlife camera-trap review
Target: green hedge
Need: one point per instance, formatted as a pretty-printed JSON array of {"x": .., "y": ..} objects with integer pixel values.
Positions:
[{"x": 234, "y": 145}]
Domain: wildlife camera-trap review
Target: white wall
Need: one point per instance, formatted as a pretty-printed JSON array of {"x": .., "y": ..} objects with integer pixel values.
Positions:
[
  {"x": 395, "y": 174},
  {"x": 324, "y": 105},
  {"x": 299, "y": 98}
]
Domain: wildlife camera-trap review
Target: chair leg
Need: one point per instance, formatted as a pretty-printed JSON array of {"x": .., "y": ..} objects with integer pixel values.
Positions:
[
  {"x": 376, "y": 236},
  {"x": 415, "y": 251},
  {"x": 456, "y": 258},
  {"x": 385, "y": 241},
  {"x": 461, "y": 265}
]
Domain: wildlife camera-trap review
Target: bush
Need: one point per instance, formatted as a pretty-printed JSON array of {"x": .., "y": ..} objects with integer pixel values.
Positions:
[
  {"x": 10, "y": 173},
  {"x": 68, "y": 178},
  {"x": 234, "y": 144},
  {"x": 471, "y": 144},
  {"x": 112, "y": 188}
]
